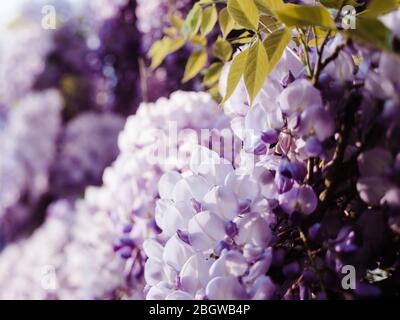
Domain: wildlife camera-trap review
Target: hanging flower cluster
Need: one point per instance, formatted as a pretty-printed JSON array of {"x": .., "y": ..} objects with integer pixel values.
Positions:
[
  {"x": 130, "y": 184},
  {"x": 69, "y": 257},
  {"x": 80, "y": 161},
  {"x": 26, "y": 158},
  {"x": 101, "y": 254},
  {"x": 217, "y": 225}
]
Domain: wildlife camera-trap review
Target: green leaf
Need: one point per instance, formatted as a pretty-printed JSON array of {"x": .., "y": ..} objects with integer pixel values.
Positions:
[
  {"x": 226, "y": 23},
  {"x": 268, "y": 19},
  {"x": 198, "y": 39},
  {"x": 338, "y": 3},
  {"x": 214, "y": 92},
  {"x": 244, "y": 12},
  {"x": 374, "y": 33},
  {"x": 161, "y": 48},
  {"x": 170, "y": 32},
  {"x": 275, "y": 45},
  {"x": 256, "y": 69},
  {"x": 208, "y": 20},
  {"x": 222, "y": 50},
  {"x": 244, "y": 38},
  {"x": 158, "y": 52},
  {"x": 293, "y": 15},
  {"x": 176, "y": 44},
  {"x": 379, "y": 7},
  {"x": 235, "y": 73},
  {"x": 212, "y": 74},
  {"x": 268, "y": 24},
  {"x": 176, "y": 21},
  {"x": 268, "y": 7},
  {"x": 196, "y": 62},
  {"x": 193, "y": 21},
  {"x": 320, "y": 35}
]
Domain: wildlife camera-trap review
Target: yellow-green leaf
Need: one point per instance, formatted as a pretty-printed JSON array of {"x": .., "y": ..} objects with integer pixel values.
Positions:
[
  {"x": 256, "y": 69},
  {"x": 268, "y": 24},
  {"x": 214, "y": 92},
  {"x": 338, "y": 3},
  {"x": 222, "y": 50},
  {"x": 244, "y": 38},
  {"x": 157, "y": 53},
  {"x": 244, "y": 12},
  {"x": 208, "y": 20},
  {"x": 176, "y": 44},
  {"x": 198, "y": 39},
  {"x": 161, "y": 48},
  {"x": 226, "y": 23},
  {"x": 212, "y": 74},
  {"x": 176, "y": 21},
  {"x": 193, "y": 21},
  {"x": 319, "y": 36},
  {"x": 268, "y": 6},
  {"x": 374, "y": 33},
  {"x": 293, "y": 15},
  {"x": 235, "y": 73},
  {"x": 170, "y": 31},
  {"x": 196, "y": 62},
  {"x": 379, "y": 7},
  {"x": 275, "y": 45}
]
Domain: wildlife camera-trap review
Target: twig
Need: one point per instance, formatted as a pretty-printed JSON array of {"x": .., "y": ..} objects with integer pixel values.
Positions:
[
  {"x": 310, "y": 170},
  {"x": 305, "y": 50},
  {"x": 319, "y": 66},
  {"x": 143, "y": 80},
  {"x": 333, "y": 175},
  {"x": 311, "y": 258}
]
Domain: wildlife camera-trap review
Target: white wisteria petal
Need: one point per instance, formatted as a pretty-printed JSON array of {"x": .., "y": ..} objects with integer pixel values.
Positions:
[
  {"x": 238, "y": 127},
  {"x": 179, "y": 295},
  {"x": 230, "y": 263},
  {"x": 298, "y": 96},
  {"x": 162, "y": 207},
  {"x": 176, "y": 253},
  {"x": 191, "y": 187},
  {"x": 154, "y": 272},
  {"x": 159, "y": 292},
  {"x": 221, "y": 201},
  {"x": 205, "y": 230},
  {"x": 194, "y": 274},
  {"x": 153, "y": 249},
  {"x": 225, "y": 288},
  {"x": 176, "y": 217},
  {"x": 167, "y": 183},
  {"x": 210, "y": 165},
  {"x": 244, "y": 186},
  {"x": 260, "y": 267},
  {"x": 253, "y": 229}
]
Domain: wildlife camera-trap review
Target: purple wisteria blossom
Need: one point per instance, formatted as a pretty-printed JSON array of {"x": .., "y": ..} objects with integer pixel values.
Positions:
[
  {"x": 86, "y": 147},
  {"x": 217, "y": 226},
  {"x": 28, "y": 147}
]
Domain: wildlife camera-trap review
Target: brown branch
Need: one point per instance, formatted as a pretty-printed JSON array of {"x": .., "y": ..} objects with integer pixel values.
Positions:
[
  {"x": 311, "y": 259},
  {"x": 333, "y": 175}
]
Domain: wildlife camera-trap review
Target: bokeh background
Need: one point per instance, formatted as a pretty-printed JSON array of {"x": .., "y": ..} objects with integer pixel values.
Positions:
[{"x": 65, "y": 94}]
